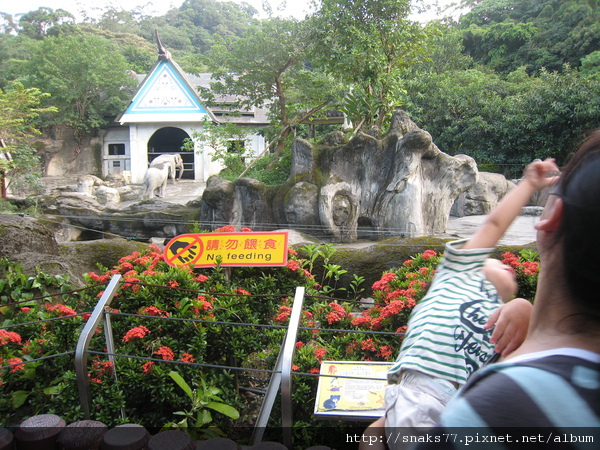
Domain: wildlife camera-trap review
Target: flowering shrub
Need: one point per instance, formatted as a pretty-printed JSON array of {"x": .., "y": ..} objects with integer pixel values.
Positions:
[
  {"x": 167, "y": 316},
  {"x": 527, "y": 269}
]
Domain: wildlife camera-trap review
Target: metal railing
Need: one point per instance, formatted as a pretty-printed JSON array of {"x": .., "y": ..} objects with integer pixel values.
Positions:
[{"x": 281, "y": 376}]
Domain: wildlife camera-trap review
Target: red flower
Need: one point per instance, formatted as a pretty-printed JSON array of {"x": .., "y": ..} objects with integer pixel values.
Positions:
[
  {"x": 385, "y": 351},
  {"x": 245, "y": 229},
  {"x": 428, "y": 254},
  {"x": 338, "y": 313},
  {"x": 314, "y": 370},
  {"x": 284, "y": 314},
  {"x": 363, "y": 320},
  {"x": 136, "y": 333},
  {"x": 173, "y": 284},
  {"x": 320, "y": 353},
  {"x": 9, "y": 337},
  {"x": 132, "y": 282},
  {"x": 401, "y": 330},
  {"x": 201, "y": 278},
  {"x": 299, "y": 345},
  {"x": 12, "y": 361},
  {"x": 166, "y": 353},
  {"x": 241, "y": 291},
  {"x": 383, "y": 283},
  {"x": 368, "y": 344},
  {"x": 147, "y": 367},
  {"x": 293, "y": 265},
  {"x": 25, "y": 309},
  {"x": 225, "y": 229},
  {"x": 204, "y": 304},
  {"x": 126, "y": 266},
  {"x": 154, "y": 311},
  {"x": 62, "y": 310},
  {"x": 307, "y": 274},
  {"x": 188, "y": 358},
  {"x": 295, "y": 368},
  {"x": 352, "y": 347}
]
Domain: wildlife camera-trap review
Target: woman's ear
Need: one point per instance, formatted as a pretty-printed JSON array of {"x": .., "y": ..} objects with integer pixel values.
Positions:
[{"x": 552, "y": 215}]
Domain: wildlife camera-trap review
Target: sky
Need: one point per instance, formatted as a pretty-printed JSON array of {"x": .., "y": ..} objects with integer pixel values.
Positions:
[{"x": 282, "y": 8}]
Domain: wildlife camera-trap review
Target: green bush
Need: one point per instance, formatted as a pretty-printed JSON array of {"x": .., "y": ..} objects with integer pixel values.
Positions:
[{"x": 188, "y": 320}]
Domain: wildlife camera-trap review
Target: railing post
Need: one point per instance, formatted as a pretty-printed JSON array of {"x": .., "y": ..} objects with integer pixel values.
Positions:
[
  {"x": 83, "y": 382},
  {"x": 289, "y": 347},
  {"x": 281, "y": 377}
]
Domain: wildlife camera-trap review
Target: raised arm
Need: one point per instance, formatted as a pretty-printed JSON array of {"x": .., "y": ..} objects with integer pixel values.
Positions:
[{"x": 537, "y": 177}]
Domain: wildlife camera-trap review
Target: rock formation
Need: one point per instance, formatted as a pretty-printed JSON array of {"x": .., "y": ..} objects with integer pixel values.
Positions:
[
  {"x": 401, "y": 184},
  {"x": 369, "y": 187},
  {"x": 30, "y": 242},
  {"x": 481, "y": 198}
]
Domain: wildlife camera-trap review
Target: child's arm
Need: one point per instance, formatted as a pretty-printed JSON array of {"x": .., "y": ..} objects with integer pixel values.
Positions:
[
  {"x": 510, "y": 322},
  {"x": 506, "y": 211}
]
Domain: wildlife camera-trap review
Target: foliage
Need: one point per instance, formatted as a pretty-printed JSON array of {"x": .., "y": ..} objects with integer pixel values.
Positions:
[
  {"x": 267, "y": 67},
  {"x": 39, "y": 23},
  {"x": 507, "y": 34},
  {"x": 506, "y": 120},
  {"x": 29, "y": 305},
  {"x": 366, "y": 44},
  {"x": 228, "y": 144},
  {"x": 19, "y": 107},
  {"x": 203, "y": 399},
  {"x": 272, "y": 168},
  {"x": 87, "y": 78},
  {"x": 527, "y": 268}
]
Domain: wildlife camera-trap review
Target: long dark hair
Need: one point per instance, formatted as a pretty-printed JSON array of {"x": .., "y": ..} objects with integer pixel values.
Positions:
[{"x": 579, "y": 232}]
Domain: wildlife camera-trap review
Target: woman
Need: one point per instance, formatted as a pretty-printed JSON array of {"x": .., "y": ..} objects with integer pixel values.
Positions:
[{"x": 552, "y": 382}]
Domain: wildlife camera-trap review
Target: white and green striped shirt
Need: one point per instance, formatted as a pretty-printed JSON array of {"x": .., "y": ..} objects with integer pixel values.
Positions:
[{"x": 445, "y": 337}]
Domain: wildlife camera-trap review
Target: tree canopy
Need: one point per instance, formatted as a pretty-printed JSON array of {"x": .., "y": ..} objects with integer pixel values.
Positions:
[
  {"x": 88, "y": 80},
  {"x": 19, "y": 107},
  {"x": 506, "y": 81}
]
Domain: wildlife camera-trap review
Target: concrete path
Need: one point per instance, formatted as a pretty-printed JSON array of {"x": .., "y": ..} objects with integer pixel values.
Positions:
[{"x": 520, "y": 232}]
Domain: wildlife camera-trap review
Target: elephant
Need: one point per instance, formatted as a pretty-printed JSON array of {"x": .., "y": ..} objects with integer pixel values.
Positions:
[
  {"x": 174, "y": 161},
  {"x": 155, "y": 179}
]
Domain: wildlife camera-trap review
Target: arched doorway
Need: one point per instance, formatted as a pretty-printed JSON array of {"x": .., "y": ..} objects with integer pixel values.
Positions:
[{"x": 170, "y": 140}]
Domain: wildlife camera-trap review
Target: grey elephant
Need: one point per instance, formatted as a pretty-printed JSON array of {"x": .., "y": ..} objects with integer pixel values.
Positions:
[
  {"x": 155, "y": 179},
  {"x": 174, "y": 162}
]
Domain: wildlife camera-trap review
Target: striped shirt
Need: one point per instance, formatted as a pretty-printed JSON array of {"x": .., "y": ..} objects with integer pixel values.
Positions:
[
  {"x": 554, "y": 394},
  {"x": 445, "y": 337}
]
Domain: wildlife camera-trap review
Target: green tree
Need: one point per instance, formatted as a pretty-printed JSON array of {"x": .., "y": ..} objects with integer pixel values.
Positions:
[
  {"x": 36, "y": 24},
  {"x": 191, "y": 29},
  {"x": 366, "y": 44},
  {"x": 268, "y": 67},
  {"x": 507, "y": 34},
  {"x": 87, "y": 78},
  {"x": 19, "y": 107},
  {"x": 550, "y": 116},
  {"x": 228, "y": 144},
  {"x": 139, "y": 53}
]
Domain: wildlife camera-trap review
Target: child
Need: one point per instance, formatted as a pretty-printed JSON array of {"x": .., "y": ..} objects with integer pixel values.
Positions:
[{"x": 448, "y": 334}]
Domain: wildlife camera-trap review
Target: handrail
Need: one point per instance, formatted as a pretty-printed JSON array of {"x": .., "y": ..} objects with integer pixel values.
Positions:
[
  {"x": 281, "y": 377},
  {"x": 288, "y": 349},
  {"x": 83, "y": 344}
]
